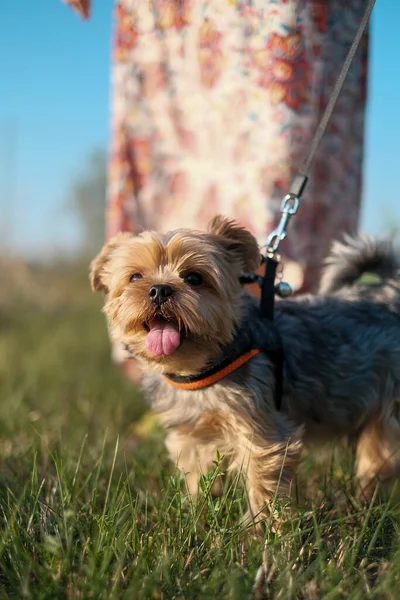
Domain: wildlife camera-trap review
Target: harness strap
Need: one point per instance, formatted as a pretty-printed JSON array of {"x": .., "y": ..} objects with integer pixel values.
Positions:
[
  {"x": 299, "y": 183},
  {"x": 268, "y": 288}
]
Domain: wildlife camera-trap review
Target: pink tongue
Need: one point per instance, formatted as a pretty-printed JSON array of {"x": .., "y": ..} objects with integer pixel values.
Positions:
[{"x": 163, "y": 337}]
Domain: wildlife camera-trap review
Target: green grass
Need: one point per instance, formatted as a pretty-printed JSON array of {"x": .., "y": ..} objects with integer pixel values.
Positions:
[{"x": 89, "y": 509}]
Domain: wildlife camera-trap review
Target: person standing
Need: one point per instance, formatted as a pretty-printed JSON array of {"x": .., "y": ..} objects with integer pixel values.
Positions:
[{"x": 214, "y": 106}]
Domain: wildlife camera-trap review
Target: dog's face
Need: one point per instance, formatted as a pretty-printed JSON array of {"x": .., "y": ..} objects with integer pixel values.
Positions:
[{"x": 175, "y": 299}]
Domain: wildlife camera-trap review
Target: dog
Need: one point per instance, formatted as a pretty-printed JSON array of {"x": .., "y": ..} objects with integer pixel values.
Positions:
[{"x": 175, "y": 301}]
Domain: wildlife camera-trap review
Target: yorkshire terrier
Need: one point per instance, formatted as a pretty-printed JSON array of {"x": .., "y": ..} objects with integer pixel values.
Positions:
[{"x": 176, "y": 302}]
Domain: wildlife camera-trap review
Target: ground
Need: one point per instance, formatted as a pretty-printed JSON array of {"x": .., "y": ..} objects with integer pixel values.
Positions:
[{"x": 91, "y": 508}]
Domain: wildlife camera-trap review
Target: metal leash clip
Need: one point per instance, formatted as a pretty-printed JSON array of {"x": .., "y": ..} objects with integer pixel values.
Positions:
[{"x": 289, "y": 207}]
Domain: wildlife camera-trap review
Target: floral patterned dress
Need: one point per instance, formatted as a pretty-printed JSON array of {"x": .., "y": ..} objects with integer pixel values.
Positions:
[{"x": 214, "y": 106}]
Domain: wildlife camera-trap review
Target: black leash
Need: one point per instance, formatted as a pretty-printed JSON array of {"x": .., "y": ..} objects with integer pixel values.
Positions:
[
  {"x": 291, "y": 202},
  {"x": 289, "y": 207}
]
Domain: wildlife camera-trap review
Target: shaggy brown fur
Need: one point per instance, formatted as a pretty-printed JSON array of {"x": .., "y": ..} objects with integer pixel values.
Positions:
[{"x": 342, "y": 355}]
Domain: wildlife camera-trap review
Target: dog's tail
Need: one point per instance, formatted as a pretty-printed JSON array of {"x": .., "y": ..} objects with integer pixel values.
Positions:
[{"x": 358, "y": 259}]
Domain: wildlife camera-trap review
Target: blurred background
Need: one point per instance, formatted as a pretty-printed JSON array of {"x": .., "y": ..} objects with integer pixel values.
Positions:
[{"x": 54, "y": 132}]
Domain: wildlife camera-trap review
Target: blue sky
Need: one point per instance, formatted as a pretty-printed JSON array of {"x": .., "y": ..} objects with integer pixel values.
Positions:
[
  {"x": 54, "y": 74},
  {"x": 54, "y": 100}
]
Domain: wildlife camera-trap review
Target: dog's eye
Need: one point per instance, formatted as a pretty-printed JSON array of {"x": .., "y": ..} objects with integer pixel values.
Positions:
[
  {"x": 136, "y": 276},
  {"x": 193, "y": 279}
]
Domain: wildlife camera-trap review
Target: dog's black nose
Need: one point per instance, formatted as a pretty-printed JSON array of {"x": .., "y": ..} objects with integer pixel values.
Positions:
[{"x": 160, "y": 293}]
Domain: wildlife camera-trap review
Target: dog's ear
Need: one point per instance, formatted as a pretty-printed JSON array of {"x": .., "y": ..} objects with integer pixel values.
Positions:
[
  {"x": 238, "y": 240},
  {"x": 99, "y": 272}
]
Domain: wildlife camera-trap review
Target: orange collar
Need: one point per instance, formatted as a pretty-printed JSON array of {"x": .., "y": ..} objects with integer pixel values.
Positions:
[{"x": 211, "y": 376}]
